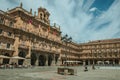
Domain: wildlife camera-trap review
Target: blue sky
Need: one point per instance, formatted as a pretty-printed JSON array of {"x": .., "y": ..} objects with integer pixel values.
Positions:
[{"x": 83, "y": 20}]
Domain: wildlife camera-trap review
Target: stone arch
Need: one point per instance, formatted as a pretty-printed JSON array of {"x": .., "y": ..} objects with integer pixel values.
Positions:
[
  {"x": 86, "y": 62},
  {"x": 21, "y": 54},
  {"x": 50, "y": 59},
  {"x": 56, "y": 58},
  {"x": 6, "y": 60},
  {"x": 41, "y": 60},
  {"x": 33, "y": 58},
  {"x": 116, "y": 61}
]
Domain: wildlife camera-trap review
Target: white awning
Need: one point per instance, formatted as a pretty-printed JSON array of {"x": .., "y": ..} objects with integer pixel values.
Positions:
[
  {"x": 2, "y": 56},
  {"x": 99, "y": 61},
  {"x": 107, "y": 61},
  {"x": 72, "y": 61},
  {"x": 17, "y": 57}
]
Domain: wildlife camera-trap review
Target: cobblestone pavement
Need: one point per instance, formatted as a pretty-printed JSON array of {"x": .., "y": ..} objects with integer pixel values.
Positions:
[{"x": 50, "y": 73}]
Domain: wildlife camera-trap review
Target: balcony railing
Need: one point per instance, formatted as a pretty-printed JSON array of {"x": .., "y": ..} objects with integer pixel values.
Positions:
[
  {"x": 24, "y": 46},
  {"x": 41, "y": 34},
  {"x": 7, "y": 36},
  {"x": 44, "y": 49},
  {"x": 4, "y": 47}
]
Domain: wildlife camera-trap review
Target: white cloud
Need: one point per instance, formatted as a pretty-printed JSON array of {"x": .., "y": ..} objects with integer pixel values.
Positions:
[
  {"x": 109, "y": 31},
  {"x": 88, "y": 4},
  {"x": 93, "y": 9},
  {"x": 72, "y": 17}
]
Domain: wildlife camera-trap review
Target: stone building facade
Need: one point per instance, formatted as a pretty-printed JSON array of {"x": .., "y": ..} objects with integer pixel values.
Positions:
[
  {"x": 100, "y": 52},
  {"x": 30, "y": 39},
  {"x": 28, "y": 36}
]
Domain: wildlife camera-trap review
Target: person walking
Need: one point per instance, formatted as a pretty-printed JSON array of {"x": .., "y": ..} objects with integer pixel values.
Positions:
[
  {"x": 85, "y": 68},
  {"x": 93, "y": 67}
]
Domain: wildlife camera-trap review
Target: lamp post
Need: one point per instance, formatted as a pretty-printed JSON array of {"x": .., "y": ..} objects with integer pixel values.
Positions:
[
  {"x": 67, "y": 40},
  {"x": 66, "y": 70}
]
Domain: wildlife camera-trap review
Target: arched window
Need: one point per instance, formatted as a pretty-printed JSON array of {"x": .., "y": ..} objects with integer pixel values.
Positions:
[
  {"x": 41, "y": 16},
  {"x": 1, "y": 31},
  {"x": 11, "y": 24},
  {"x": 9, "y": 34},
  {"x": 1, "y": 20},
  {"x": 8, "y": 45}
]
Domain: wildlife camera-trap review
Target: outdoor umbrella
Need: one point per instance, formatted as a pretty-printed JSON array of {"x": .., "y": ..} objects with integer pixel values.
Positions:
[
  {"x": 17, "y": 57},
  {"x": 2, "y": 56}
]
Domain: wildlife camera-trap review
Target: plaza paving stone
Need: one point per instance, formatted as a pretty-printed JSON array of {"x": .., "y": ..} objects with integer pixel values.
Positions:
[{"x": 50, "y": 73}]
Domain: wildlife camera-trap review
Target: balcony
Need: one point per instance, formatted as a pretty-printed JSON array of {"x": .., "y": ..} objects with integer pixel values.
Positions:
[
  {"x": 5, "y": 35},
  {"x": 23, "y": 46},
  {"x": 42, "y": 34},
  {"x": 45, "y": 49},
  {"x": 4, "y": 47},
  {"x": 6, "y": 24}
]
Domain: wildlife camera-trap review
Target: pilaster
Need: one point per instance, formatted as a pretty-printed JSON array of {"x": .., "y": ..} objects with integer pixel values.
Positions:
[{"x": 16, "y": 45}]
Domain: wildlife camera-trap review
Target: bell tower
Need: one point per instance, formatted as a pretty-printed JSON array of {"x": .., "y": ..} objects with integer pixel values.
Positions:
[{"x": 43, "y": 15}]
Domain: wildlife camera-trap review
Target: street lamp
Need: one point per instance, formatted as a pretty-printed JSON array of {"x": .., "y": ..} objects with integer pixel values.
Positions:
[
  {"x": 66, "y": 70},
  {"x": 67, "y": 40}
]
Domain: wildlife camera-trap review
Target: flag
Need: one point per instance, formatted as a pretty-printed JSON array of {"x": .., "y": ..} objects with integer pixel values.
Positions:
[
  {"x": 48, "y": 29},
  {"x": 54, "y": 33},
  {"x": 30, "y": 21}
]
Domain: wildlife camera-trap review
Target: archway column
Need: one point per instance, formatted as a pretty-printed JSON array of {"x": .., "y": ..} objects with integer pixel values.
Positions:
[
  {"x": 28, "y": 57},
  {"x": 103, "y": 62},
  {"x": 59, "y": 62},
  {"x": 27, "y": 61},
  {"x": 53, "y": 61},
  {"x": 113, "y": 62},
  {"x": 93, "y": 62},
  {"x": 37, "y": 60},
  {"x": 16, "y": 44},
  {"x": 46, "y": 64},
  {"x": 89, "y": 62},
  {"x": 84, "y": 63},
  {"x": 119, "y": 61}
]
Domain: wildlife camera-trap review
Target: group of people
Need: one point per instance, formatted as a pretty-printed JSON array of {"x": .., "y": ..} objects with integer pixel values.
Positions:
[{"x": 13, "y": 65}]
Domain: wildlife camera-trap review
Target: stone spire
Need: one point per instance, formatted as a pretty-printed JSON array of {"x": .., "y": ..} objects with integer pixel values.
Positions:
[
  {"x": 31, "y": 11},
  {"x": 35, "y": 14},
  {"x": 54, "y": 24},
  {"x": 21, "y": 4}
]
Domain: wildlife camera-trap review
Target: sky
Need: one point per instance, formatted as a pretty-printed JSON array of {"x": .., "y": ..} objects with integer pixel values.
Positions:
[{"x": 83, "y": 20}]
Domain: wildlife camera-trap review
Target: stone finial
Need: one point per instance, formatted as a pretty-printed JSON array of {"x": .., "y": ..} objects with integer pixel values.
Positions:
[
  {"x": 35, "y": 13},
  {"x": 54, "y": 24},
  {"x": 7, "y": 9},
  {"x": 59, "y": 27},
  {"x": 21, "y": 4},
  {"x": 31, "y": 11}
]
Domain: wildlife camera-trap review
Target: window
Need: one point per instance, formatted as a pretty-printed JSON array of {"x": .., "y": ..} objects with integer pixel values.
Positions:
[
  {"x": 0, "y": 31},
  {"x": 41, "y": 16},
  {"x": 9, "y": 33},
  {"x": 44, "y": 15},
  {"x": 8, "y": 45},
  {"x": 1, "y": 20},
  {"x": 11, "y": 24}
]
